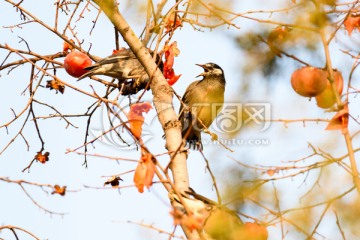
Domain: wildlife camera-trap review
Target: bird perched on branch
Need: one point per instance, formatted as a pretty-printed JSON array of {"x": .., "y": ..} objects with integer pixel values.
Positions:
[
  {"x": 124, "y": 66},
  {"x": 203, "y": 101}
]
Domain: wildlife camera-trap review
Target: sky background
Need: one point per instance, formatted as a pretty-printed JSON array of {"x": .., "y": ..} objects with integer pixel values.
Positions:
[{"x": 103, "y": 213}]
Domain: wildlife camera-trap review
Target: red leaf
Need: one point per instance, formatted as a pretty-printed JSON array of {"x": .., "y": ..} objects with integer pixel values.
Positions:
[
  {"x": 171, "y": 51},
  {"x": 173, "y": 80},
  {"x": 340, "y": 121},
  {"x": 136, "y": 119}
]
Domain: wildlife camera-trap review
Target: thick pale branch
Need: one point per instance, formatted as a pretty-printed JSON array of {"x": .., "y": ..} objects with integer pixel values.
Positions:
[{"x": 162, "y": 93}]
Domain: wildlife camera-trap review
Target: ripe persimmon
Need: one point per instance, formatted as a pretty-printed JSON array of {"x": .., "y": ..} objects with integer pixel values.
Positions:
[
  {"x": 309, "y": 81},
  {"x": 75, "y": 62}
]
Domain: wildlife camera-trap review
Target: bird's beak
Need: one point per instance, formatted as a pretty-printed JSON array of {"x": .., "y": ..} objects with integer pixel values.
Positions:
[{"x": 203, "y": 66}]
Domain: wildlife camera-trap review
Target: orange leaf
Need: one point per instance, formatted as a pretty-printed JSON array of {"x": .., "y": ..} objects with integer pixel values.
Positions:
[
  {"x": 150, "y": 170},
  {"x": 171, "y": 24},
  {"x": 55, "y": 84},
  {"x": 139, "y": 176},
  {"x": 136, "y": 119},
  {"x": 144, "y": 172},
  {"x": 43, "y": 158},
  {"x": 340, "y": 121},
  {"x": 351, "y": 22},
  {"x": 67, "y": 47},
  {"x": 59, "y": 190}
]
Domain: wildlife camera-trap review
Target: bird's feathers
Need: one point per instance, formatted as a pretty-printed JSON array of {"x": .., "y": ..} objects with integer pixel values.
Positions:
[{"x": 203, "y": 99}]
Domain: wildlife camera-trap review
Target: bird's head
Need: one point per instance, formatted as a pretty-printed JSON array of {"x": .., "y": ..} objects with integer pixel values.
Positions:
[{"x": 211, "y": 69}]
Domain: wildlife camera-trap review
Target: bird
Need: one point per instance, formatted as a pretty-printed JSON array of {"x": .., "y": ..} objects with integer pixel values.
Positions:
[
  {"x": 202, "y": 102},
  {"x": 124, "y": 66}
]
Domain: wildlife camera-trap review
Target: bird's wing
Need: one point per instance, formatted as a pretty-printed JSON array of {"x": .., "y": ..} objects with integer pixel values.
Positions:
[{"x": 115, "y": 58}]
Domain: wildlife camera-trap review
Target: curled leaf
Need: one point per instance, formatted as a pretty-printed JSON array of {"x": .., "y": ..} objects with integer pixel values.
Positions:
[
  {"x": 136, "y": 119},
  {"x": 55, "y": 84},
  {"x": 144, "y": 172},
  {"x": 174, "y": 21},
  {"x": 59, "y": 190},
  {"x": 68, "y": 47},
  {"x": 340, "y": 121},
  {"x": 43, "y": 158},
  {"x": 171, "y": 51}
]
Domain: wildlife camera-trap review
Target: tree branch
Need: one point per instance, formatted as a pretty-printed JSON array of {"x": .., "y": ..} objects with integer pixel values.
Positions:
[{"x": 163, "y": 95}]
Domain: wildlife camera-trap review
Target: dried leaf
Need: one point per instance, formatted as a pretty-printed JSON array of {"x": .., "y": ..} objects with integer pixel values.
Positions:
[
  {"x": 171, "y": 51},
  {"x": 172, "y": 24},
  {"x": 68, "y": 47},
  {"x": 136, "y": 119},
  {"x": 43, "y": 158},
  {"x": 144, "y": 172},
  {"x": 352, "y": 22},
  {"x": 113, "y": 181},
  {"x": 139, "y": 176},
  {"x": 59, "y": 190},
  {"x": 150, "y": 171},
  {"x": 55, "y": 84},
  {"x": 340, "y": 121}
]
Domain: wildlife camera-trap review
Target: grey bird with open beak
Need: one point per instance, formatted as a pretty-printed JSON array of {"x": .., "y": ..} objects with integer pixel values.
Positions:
[{"x": 203, "y": 99}]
